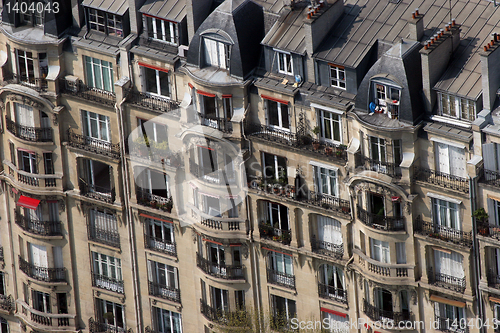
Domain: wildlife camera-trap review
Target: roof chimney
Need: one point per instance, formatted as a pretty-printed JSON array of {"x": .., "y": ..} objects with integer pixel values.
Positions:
[{"x": 416, "y": 25}]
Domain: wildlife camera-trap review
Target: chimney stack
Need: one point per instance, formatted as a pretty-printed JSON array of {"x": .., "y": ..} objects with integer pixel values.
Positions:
[{"x": 416, "y": 25}]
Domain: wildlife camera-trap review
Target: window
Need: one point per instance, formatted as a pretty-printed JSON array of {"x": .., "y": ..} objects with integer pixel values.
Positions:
[
  {"x": 446, "y": 214},
  {"x": 276, "y": 215},
  {"x": 449, "y": 263},
  {"x": 450, "y": 160},
  {"x": 217, "y": 258},
  {"x": 27, "y": 161},
  {"x": 450, "y": 318},
  {"x": 103, "y": 227},
  {"x": 211, "y": 205},
  {"x": 232, "y": 209},
  {"x": 275, "y": 168},
  {"x": 284, "y": 310},
  {"x": 156, "y": 81},
  {"x": 209, "y": 111},
  {"x": 115, "y": 310},
  {"x": 494, "y": 211},
  {"x": 99, "y": 74},
  {"x": 25, "y": 117},
  {"x": 277, "y": 114},
  {"x": 383, "y": 302},
  {"x": 216, "y": 53},
  {"x": 162, "y": 30},
  {"x": 153, "y": 131},
  {"x": 41, "y": 301},
  {"x": 496, "y": 320},
  {"x": 12, "y": 153},
  {"x": 281, "y": 263},
  {"x": 285, "y": 63},
  {"x": 167, "y": 321},
  {"x": 2, "y": 283},
  {"x": 400, "y": 253},
  {"x": 387, "y": 97},
  {"x": 152, "y": 182},
  {"x": 332, "y": 284},
  {"x": 494, "y": 267},
  {"x": 397, "y": 152},
  {"x": 378, "y": 150},
  {"x": 329, "y": 233},
  {"x": 62, "y": 303},
  {"x": 380, "y": 251},
  {"x": 107, "y": 272},
  {"x": 163, "y": 280},
  {"x": 337, "y": 76},
  {"x": 108, "y": 23},
  {"x": 228, "y": 107},
  {"x": 239, "y": 297},
  {"x": 457, "y": 107},
  {"x": 32, "y": 14},
  {"x": 97, "y": 176},
  {"x": 330, "y": 124},
  {"x": 26, "y": 69},
  {"x": 491, "y": 155},
  {"x": 326, "y": 181},
  {"x": 96, "y": 126},
  {"x": 48, "y": 163},
  {"x": 220, "y": 300},
  {"x": 335, "y": 323},
  {"x": 161, "y": 235},
  {"x": 4, "y": 325}
]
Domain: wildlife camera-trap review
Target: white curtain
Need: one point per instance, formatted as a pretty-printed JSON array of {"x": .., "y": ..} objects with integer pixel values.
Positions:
[
  {"x": 449, "y": 263},
  {"x": 24, "y": 115},
  {"x": 329, "y": 230}
]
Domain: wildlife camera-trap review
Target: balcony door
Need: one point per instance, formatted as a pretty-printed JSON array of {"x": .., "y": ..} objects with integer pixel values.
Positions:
[
  {"x": 38, "y": 258},
  {"x": 377, "y": 204},
  {"x": 383, "y": 302},
  {"x": 41, "y": 301},
  {"x": 282, "y": 264},
  {"x": 449, "y": 264},
  {"x": 110, "y": 313},
  {"x": 220, "y": 299},
  {"x": 165, "y": 278},
  {"x": 217, "y": 258},
  {"x": 98, "y": 176},
  {"x": 277, "y": 216},
  {"x": 329, "y": 232},
  {"x": 450, "y": 160},
  {"x": 96, "y": 129},
  {"x": 333, "y": 278},
  {"x": 161, "y": 235}
]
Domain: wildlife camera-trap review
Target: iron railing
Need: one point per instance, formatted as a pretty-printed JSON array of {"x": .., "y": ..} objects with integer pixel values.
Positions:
[
  {"x": 220, "y": 123},
  {"x": 96, "y": 234},
  {"x": 145, "y": 198},
  {"x": 328, "y": 202},
  {"x": 159, "y": 44},
  {"x": 160, "y": 245},
  {"x": 488, "y": 229},
  {"x": 327, "y": 248},
  {"x": 280, "y": 278},
  {"x": 446, "y": 281},
  {"x": 210, "y": 175},
  {"x": 450, "y": 325},
  {"x": 222, "y": 316},
  {"x": 329, "y": 292},
  {"x": 441, "y": 232},
  {"x": 36, "y": 83},
  {"x": 7, "y": 303},
  {"x": 100, "y": 193},
  {"x": 387, "y": 223},
  {"x": 280, "y": 235},
  {"x": 441, "y": 179},
  {"x": 385, "y": 168},
  {"x": 160, "y": 290},
  {"x": 377, "y": 314},
  {"x": 489, "y": 177},
  {"x": 42, "y": 273},
  {"x": 151, "y": 102},
  {"x": 108, "y": 283},
  {"x": 228, "y": 272},
  {"x": 99, "y": 326},
  {"x": 493, "y": 279},
  {"x": 155, "y": 154},
  {"x": 272, "y": 134},
  {"x": 81, "y": 90},
  {"x": 94, "y": 145},
  {"x": 34, "y": 134},
  {"x": 35, "y": 226}
]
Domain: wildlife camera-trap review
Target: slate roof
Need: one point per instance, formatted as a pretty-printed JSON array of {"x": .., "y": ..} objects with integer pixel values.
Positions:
[
  {"x": 118, "y": 7},
  {"x": 173, "y": 10}
]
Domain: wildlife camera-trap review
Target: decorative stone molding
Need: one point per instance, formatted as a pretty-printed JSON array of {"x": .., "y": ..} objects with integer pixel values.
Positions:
[{"x": 25, "y": 100}]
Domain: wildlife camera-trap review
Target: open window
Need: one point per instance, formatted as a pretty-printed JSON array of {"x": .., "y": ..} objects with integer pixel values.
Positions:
[
  {"x": 386, "y": 97},
  {"x": 162, "y": 30},
  {"x": 216, "y": 52}
]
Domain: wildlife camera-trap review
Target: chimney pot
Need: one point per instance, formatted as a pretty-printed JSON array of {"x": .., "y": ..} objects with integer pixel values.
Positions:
[
  {"x": 485, "y": 48},
  {"x": 413, "y": 15},
  {"x": 426, "y": 46},
  {"x": 453, "y": 23},
  {"x": 416, "y": 12}
]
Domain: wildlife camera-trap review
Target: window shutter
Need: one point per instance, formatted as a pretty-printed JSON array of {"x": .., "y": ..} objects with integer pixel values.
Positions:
[
  {"x": 264, "y": 104},
  {"x": 400, "y": 253},
  {"x": 489, "y": 156},
  {"x": 150, "y": 271},
  {"x": 58, "y": 257}
]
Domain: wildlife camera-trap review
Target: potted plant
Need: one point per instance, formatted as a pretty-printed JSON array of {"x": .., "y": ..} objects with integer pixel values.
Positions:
[
  {"x": 328, "y": 151},
  {"x": 315, "y": 130},
  {"x": 481, "y": 217},
  {"x": 169, "y": 205}
]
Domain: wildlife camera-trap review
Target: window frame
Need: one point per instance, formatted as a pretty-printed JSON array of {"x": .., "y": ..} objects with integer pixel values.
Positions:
[
  {"x": 161, "y": 314},
  {"x": 110, "y": 22},
  {"x": 153, "y": 23},
  {"x": 448, "y": 222},
  {"x": 459, "y": 109},
  {"x": 381, "y": 248},
  {"x": 103, "y": 265},
  {"x": 322, "y": 125},
  {"x": 31, "y": 160},
  {"x": 158, "y": 80},
  {"x": 336, "y": 72},
  {"x": 285, "y": 59},
  {"x": 281, "y": 263},
  {"x": 223, "y": 61},
  {"x": 334, "y": 192},
  {"x": 281, "y": 108},
  {"x": 90, "y": 64}
]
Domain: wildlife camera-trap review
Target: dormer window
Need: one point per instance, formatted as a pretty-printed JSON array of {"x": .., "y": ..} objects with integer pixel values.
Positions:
[
  {"x": 457, "y": 107},
  {"x": 162, "y": 30},
  {"x": 386, "y": 99},
  {"x": 285, "y": 63},
  {"x": 337, "y": 76},
  {"x": 108, "y": 23},
  {"x": 216, "y": 53}
]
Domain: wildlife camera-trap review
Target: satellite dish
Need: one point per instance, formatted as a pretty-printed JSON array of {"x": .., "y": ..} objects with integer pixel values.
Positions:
[{"x": 298, "y": 79}]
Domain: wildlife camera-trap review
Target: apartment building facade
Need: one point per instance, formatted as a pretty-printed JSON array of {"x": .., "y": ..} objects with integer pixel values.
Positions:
[{"x": 167, "y": 164}]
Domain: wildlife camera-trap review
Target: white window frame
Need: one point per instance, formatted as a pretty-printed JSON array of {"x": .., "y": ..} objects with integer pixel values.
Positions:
[
  {"x": 116, "y": 307},
  {"x": 107, "y": 266},
  {"x": 212, "y": 211},
  {"x": 324, "y": 120},
  {"x": 94, "y": 24},
  {"x": 31, "y": 158},
  {"x": 281, "y": 262},
  {"x": 381, "y": 145},
  {"x": 22, "y": 62},
  {"x": 159, "y": 271},
  {"x": 224, "y": 297},
  {"x": 45, "y": 301},
  {"x": 278, "y": 170},
  {"x": 337, "y": 76},
  {"x": 270, "y": 206},
  {"x": 337, "y": 274},
  {"x": 287, "y": 310},
  {"x": 160, "y": 28},
  {"x": 494, "y": 211},
  {"x": 380, "y": 251},
  {"x": 384, "y": 98},
  {"x": 400, "y": 253},
  {"x": 217, "y": 53},
  {"x": 452, "y": 212},
  {"x": 100, "y": 122},
  {"x": 336, "y": 324},
  {"x": 280, "y": 110},
  {"x": 455, "y": 324},
  {"x": 158, "y": 91},
  {"x": 105, "y": 67},
  {"x": 446, "y": 100},
  {"x": 162, "y": 315},
  {"x": 110, "y": 22},
  {"x": 103, "y": 220},
  {"x": 154, "y": 126},
  {"x": 150, "y": 186},
  {"x": 285, "y": 62},
  {"x": 324, "y": 179}
]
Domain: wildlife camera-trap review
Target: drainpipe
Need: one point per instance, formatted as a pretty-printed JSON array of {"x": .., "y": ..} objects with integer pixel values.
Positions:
[
  {"x": 11, "y": 240},
  {"x": 131, "y": 231},
  {"x": 475, "y": 253}
]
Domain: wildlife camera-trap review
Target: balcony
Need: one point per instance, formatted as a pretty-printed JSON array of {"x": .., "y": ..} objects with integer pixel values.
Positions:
[
  {"x": 160, "y": 44},
  {"x": 220, "y": 271},
  {"x": 224, "y": 317},
  {"x": 79, "y": 89},
  {"x": 35, "y": 226},
  {"x": 102, "y": 236},
  {"x": 50, "y": 320},
  {"x": 93, "y": 145},
  {"x": 160, "y": 245},
  {"x": 326, "y": 248},
  {"x": 101, "y": 327},
  {"x": 159, "y": 290},
  {"x": 42, "y": 273},
  {"x": 380, "y": 222},
  {"x": 455, "y": 236},
  {"x": 280, "y": 279},
  {"x": 335, "y": 294},
  {"x": 33, "y": 134},
  {"x": 155, "y": 154},
  {"x": 7, "y": 303},
  {"x": 212, "y": 176},
  {"x": 385, "y": 168},
  {"x": 450, "y": 325},
  {"x": 441, "y": 179},
  {"x": 108, "y": 283},
  {"x": 145, "y": 198},
  {"x": 1, "y": 253},
  {"x": 223, "y": 224},
  {"x": 220, "y": 123},
  {"x": 35, "y": 83},
  {"x": 381, "y": 315},
  {"x": 271, "y": 134},
  {"x": 279, "y": 235},
  {"x": 151, "y": 102},
  {"x": 493, "y": 279},
  {"x": 100, "y": 193},
  {"x": 488, "y": 230},
  {"x": 446, "y": 281}
]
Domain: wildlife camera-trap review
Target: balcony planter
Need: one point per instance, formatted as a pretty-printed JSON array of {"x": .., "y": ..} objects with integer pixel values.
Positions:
[
  {"x": 316, "y": 145},
  {"x": 345, "y": 210},
  {"x": 328, "y": 151}
]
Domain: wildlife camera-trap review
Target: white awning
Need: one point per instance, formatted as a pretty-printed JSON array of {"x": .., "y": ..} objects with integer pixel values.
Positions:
[
  {"x": 323, "y": 165},
  {"x": 442, "y": 197},
  {"x": 446, "y": 142}
]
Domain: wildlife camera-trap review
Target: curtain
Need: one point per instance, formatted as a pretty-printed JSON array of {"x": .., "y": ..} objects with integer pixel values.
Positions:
[{"x": 329, "y": 230}]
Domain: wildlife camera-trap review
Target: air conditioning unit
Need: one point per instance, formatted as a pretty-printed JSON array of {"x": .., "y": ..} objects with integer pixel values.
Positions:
[
  {"x": 72, "y": 83},
  {"x": 183, "y": 51}
]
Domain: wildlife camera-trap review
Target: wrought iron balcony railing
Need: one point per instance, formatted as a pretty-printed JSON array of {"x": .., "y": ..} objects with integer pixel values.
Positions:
[
  {"x": 446, "y": 281},
  {"x": 377, "y": 314},
  {"x": 228, "y": 272},
  {"x": 220, "y": 123},
  {"x": 34, "y": 134},
  {"x": 493, "y": 279},
  {"x": 94, "y": 145},
  {"x": 42, "y": 273},
  {"x": 279, "y": 235},
  {"x": 81, "y": 90},
  {"x": 36, "y": 83},
  {"x": 151, "y": 102},
  {"x": 108, "y": 283},
  {"x": 333, "y": 293},
  {"x": 383, "y": 167},
  {"x": 160, "y": 290},
  {"x": 381, "y": 222},
  {"x": 442, "y": 179},
  {"x": 488, "y": 229},
  {"x": 441, "y": 232},
  {"x": 280, "y": 278},
  {"x": 327, "y": 248},
  {"x": 145, "y": 198},
  {"x": 35, "y": 226},
  {"x": 489, "y": 177},
  {"x": 99, "y": 326},
  {"x": 96, "y": 234},
  {"x": 450, "y": 325},
  {"x": 160, "y": 245},
  {"x": 101, "y": 193}
]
